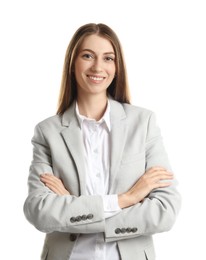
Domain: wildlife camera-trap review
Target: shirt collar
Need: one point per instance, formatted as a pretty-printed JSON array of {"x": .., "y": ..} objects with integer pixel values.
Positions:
[{"x": 105, "y": 118}]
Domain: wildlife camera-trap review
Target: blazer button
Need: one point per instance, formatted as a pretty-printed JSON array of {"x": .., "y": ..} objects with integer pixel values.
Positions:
[
  {"x": 117, "y": 231},
  {"x": 73, "y": 237},
  {"x": 78, "y": 218},
  {"x": 90, "y": 216},
  {"x": 84, "y": 217},
  {"x": 123, "y": 230},
  {"x": 128, "y": 230},
  {"x": 134, "y": 230},
  {"x": 72, "y": 219}
]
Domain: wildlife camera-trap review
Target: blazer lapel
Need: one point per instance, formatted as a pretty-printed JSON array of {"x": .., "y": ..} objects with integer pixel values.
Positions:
[
  {"x": 118, "y": 139},
  {"x": 74, "y": 141},
  {"x": 73, "y": 138}
]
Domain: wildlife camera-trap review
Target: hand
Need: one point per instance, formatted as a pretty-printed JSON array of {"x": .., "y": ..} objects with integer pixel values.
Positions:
[
  {"x": 54, "y": 184},
  {"x": 155, "y": 177}
]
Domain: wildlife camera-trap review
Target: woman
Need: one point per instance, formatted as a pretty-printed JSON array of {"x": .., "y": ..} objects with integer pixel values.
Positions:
[{"x": 100, "y": 183}]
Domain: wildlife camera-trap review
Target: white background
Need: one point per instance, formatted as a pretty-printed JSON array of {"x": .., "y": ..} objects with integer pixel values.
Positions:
[{"x": 165, "y": 49}]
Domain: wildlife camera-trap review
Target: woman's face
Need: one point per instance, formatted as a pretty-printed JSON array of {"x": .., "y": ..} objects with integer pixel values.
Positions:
[{"x": 94, "y": 66}]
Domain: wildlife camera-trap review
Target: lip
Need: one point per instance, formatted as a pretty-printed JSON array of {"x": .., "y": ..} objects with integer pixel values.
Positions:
[{"x": 96, "y": 78}]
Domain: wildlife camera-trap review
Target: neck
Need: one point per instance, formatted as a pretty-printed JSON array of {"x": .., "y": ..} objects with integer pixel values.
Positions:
[{"x": 92, "y": 107}]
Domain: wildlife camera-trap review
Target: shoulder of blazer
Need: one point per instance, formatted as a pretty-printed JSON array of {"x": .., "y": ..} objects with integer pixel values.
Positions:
[
  {"x": 136, "y": 110},
  {"x": 59, "y": 120},
  {"x": 121, "y": 111}
]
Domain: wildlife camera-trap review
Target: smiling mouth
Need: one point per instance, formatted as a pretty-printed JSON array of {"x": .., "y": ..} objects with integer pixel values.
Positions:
[{"x": 95, "y": 78}]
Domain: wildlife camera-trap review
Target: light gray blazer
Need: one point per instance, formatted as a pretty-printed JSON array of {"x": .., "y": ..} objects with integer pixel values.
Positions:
[{"x": 136, "y": 145}]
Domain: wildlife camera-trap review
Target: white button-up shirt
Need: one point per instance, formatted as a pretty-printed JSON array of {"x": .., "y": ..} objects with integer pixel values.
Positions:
[{"x": 96, "y": 136}]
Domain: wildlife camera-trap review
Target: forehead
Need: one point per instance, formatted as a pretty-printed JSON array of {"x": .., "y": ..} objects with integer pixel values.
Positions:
[{"x": 96, "y": 43}]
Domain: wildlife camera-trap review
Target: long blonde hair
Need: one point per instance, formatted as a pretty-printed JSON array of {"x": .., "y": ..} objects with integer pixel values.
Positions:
[{"x": 118, "y": 89}]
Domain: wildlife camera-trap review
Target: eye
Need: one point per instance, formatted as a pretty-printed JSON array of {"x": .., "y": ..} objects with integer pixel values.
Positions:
[
  {"x": 87, "y": 56},
  {"x": 109, "y": 58}
]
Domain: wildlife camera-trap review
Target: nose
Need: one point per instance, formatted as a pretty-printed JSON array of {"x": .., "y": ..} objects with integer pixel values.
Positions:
[{"x": 97, "y": 66}]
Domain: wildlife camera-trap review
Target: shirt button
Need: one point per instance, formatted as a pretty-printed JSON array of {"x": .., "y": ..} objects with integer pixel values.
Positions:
[
  {"x": 98, "y": 174},
  {"x": 95, "y": 150}
]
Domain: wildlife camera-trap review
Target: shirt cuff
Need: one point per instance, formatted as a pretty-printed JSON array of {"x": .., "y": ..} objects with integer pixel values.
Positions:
[{"x": 111, "y": 205}]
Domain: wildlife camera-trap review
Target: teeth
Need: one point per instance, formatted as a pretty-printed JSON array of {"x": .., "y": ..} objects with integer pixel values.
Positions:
[{"x": 95, "y": 78}]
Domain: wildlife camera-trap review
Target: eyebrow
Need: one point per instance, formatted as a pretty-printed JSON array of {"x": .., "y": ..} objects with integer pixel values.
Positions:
[{"x": 111, "y": 52}]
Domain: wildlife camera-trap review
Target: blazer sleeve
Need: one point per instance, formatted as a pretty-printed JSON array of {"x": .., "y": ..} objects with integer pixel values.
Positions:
[
  {"x": 50, "y": 212},
  {"x": 158, "y": 211}
]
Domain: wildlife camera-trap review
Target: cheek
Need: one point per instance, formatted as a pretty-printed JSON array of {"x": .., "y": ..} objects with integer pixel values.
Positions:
[
  {"x": 80, "y": 66},
  {"x": 112, "y": 71},
  {"x": 77, "y": 67}
]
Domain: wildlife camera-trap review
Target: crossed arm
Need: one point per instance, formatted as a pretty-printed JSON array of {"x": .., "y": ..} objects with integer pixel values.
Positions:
[
  {"x": 155, "y": 177},
  {"x": 151, "y": 204}
]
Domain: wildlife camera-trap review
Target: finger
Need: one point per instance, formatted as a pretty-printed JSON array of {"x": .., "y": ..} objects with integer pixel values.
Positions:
[
  {"x": 162, "y": 185},
  {"x": 159, "y": 172},
  {"x": 46, "y": 174},
  {"x": 51, "y": 183},
  {"x": 55, "y": 185},
  {"x": 53, "y": 188},
  {"x": 156, "y": 168},
  {"x": 49, "y": 177},
  {"x": 166, "y": 177},
  {"x": 162, "y": 178}
]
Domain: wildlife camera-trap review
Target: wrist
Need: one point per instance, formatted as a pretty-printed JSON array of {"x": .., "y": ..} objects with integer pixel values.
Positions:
[{"x": 125, "y": 200}]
